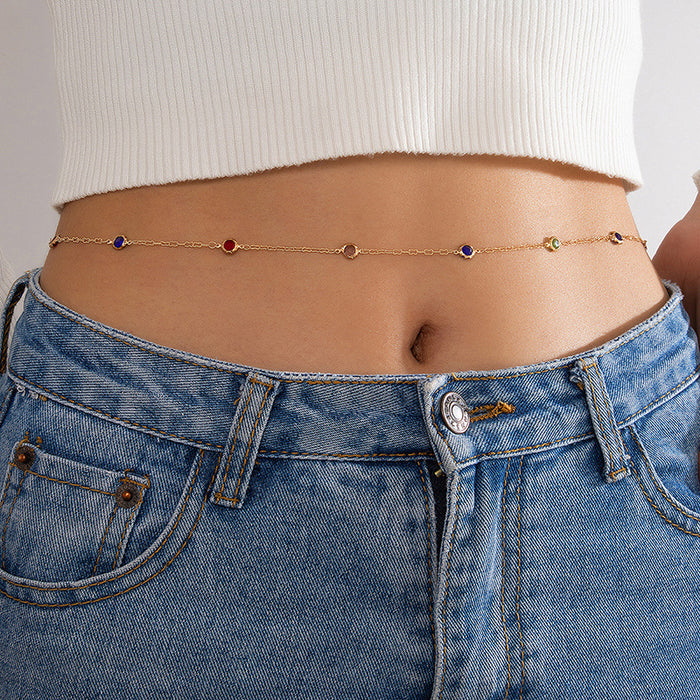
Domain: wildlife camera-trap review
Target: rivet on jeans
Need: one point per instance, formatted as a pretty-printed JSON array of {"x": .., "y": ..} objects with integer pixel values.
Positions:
[
  {"x": 126, "y": 495},
  {"x": 24, "y": 457}
]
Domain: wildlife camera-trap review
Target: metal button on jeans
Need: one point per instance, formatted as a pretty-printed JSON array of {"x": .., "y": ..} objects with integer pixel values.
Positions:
[{"x": 455, "y": 412}]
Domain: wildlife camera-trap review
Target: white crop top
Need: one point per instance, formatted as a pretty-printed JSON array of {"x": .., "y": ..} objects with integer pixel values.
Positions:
[{"x": 157, "y": 91}]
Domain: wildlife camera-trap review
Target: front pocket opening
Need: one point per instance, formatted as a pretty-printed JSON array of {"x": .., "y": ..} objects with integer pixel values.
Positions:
[{"x": 663, "y": 495}]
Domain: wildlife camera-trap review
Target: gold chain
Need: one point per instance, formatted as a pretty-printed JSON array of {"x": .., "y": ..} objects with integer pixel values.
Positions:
[{"x": 349, "y": 250}]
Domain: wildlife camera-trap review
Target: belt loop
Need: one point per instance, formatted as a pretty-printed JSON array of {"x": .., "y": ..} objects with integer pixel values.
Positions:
[
  {"x": 241, "y": 449},
  {"x": 587, "y": 375},
  {"x": 13, "y": 296}
]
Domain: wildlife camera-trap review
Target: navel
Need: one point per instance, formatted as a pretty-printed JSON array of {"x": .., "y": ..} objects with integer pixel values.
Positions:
[{"x": 422, "y": 346}]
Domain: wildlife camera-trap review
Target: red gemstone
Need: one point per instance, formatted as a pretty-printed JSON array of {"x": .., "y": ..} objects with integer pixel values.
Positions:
[{"x": 229, "y": 244}]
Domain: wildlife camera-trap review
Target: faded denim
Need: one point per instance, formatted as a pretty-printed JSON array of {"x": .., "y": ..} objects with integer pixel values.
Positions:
[{"x": 177, "y": 527}]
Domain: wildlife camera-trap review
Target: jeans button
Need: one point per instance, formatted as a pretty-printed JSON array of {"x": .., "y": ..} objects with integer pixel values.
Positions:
[{"x": 455, "y": 412}]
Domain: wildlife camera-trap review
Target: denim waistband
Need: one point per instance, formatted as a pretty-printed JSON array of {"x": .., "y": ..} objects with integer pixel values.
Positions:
[{"x": 180, "y": 396}]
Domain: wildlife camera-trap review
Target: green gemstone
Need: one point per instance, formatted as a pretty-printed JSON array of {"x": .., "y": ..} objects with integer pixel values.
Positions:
[{"x": 555, "y": 243}]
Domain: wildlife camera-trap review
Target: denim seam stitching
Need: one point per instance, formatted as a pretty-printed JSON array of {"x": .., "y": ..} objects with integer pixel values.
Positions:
[
  {"x": 498, "y": 452},
  {"x": 695, "y": 373},
  {"x": 252, "y": 437},
  {"x": 9, "y": 515},
  {"x": 686, "y": 513},
  {"x": 490, "y": 411},
  {"x": 503, "y": 571},
  {"x": 348, "y": 454},
  {"x": 421, "y": 469},
  {"x": 517, "y": 588},
  {"x": 132, "y": 515},
  {"x": 616, "y": 431},
  {"x": 653, "y": 505},
  {"x": 622, "y": 423},
  {"x": 600, "y": 420},
  {"x": 99, "y": 583},
  {"x": 104, "y": 536},
  {"x": 250, "y": 442},
  {"x": 2, "y": 501},
  {"x": 447, "y": 582},
  {"x": 313, "y": 454},
  {"x": 508, "y": 376},
  {"x": 118, "y": 418},
  {"x": 212, "y": 444},
  {"x": 220, "y": 495},
  {"x": 69, "y": 483}
]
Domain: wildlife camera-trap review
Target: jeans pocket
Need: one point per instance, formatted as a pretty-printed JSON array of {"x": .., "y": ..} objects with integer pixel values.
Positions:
[
  {"x": 664, "y": 446},
  {"x": 62, "y": 519},
  {"x": 90, "y": 507}
]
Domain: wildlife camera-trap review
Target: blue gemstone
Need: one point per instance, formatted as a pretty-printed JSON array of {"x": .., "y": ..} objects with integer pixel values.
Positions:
[
  {"x": 467, "y": 250},
  {"x": 618, "y": 236},
  {"x": 118, "y": 242}
]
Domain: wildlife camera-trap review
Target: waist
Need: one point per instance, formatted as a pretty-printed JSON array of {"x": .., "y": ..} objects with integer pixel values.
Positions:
[
  {"x": 295, "y": 311},
  {"x": 57, "y": 353}
]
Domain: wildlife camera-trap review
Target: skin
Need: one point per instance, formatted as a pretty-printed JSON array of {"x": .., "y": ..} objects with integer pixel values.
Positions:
[
  {"x": 396, "y": 314},
  {"x": 678, "y": 258},
  {"x": 374, "y": 314}
]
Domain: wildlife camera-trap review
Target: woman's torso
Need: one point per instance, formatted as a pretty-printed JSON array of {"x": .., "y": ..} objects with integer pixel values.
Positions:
[{"x": 375, "y": 313}]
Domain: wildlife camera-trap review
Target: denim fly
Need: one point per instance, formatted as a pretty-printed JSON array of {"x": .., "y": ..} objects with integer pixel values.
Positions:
[{"x": 177, "y": 527}]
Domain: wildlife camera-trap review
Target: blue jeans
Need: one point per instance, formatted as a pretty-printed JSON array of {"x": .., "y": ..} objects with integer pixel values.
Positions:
[{"x": 174, "y": 526}]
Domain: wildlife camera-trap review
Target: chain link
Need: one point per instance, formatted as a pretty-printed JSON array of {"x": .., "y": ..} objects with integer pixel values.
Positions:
[
  {"x": 295, "y": 249},
  {"x": 409, "y": 251},
  {"x": 350, "y": 250}
]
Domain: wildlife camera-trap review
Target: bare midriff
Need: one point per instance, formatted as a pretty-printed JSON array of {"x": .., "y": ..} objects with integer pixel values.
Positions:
[{"x": 374, "y": 314}]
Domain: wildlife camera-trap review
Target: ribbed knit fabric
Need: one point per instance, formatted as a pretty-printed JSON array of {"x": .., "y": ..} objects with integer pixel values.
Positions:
[{"x": 156, "y": 91}]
